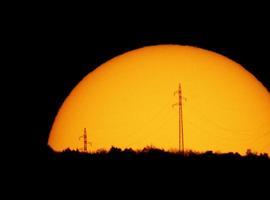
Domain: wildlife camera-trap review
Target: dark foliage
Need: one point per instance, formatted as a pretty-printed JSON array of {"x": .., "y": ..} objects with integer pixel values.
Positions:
[{"x": 152, "y": 153}]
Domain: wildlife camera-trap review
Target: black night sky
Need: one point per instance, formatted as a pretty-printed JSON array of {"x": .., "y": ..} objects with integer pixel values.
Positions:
[{"x": 65, "y": 46}]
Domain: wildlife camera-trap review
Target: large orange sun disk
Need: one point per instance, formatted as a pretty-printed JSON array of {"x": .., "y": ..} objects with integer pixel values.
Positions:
[{"x": 127, "y": 102}]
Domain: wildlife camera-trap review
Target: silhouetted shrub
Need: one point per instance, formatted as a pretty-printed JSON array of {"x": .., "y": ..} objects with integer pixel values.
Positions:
[{"x": 115, "y": 150}]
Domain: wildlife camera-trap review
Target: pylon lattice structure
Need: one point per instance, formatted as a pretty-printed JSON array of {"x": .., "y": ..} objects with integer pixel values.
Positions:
[
  {"x": 180, "y": 120},
  {"x": 85, "y": 142}
]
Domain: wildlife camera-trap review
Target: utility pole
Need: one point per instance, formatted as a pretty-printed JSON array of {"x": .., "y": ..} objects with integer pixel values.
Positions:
[
  {"x": 180, "y": 115},
  {"x": 85, "y": 142}
]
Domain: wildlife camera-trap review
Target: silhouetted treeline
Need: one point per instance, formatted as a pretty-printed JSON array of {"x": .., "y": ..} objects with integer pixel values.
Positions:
[{"x": 151, "y": 153}]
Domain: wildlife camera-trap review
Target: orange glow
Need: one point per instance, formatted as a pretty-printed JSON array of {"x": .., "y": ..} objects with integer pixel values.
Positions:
[{"x": 127, "y": 102}]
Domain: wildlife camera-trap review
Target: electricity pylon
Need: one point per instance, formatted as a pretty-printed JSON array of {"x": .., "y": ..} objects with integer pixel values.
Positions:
[
  {"x": 85, "y": 142},
  {"x": 180, "y": 115}
]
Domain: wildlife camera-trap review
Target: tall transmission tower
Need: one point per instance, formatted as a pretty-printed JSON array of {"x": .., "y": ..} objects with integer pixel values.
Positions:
[
  {"x": 85, "y": 142},
  {"x": 180, "y": 115}
]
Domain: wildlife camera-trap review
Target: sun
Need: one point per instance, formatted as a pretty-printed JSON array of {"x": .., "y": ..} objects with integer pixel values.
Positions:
[{"x": 127, "y": 102}]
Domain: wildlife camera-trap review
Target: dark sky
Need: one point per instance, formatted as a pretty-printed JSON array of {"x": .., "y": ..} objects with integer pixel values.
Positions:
[{"x": 66, "y": 46}]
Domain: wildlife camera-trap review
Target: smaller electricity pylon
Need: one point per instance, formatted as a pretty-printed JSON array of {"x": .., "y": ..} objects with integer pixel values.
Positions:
[{"x": 85, "y": 142}]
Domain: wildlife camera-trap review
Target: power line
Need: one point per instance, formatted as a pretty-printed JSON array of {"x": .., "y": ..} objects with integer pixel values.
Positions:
[{"x": 146, "y": 124}]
